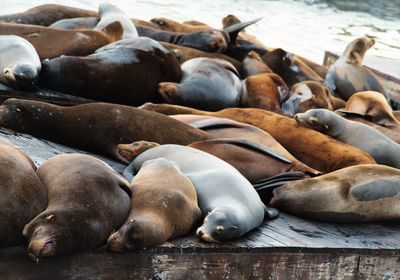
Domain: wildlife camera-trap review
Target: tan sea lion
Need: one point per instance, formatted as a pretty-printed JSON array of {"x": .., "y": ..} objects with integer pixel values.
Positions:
[
  {"x": 167, "y": 24},
  {"x": 315, "y": 149},
  {"x": 310, "y": 95},
  {"x": 46, "y": 14},
  {"x": 348, "y": 76},
  {"x": 163, "y": 206},
  {"x": 19, "y": 62},
  {"x": 50, "y": 42},
  {"x": 23, "y": 195},
  {"x": 96, "y": 127},
  {"x": 228, "y": 201},
  {"x": 265, "y": 91},
  {"x": 381, "y": 148},
  {"x": 362, "y": 193},
  {"x": 374, "y": 106},
  {"x": 88, "y": 200}
]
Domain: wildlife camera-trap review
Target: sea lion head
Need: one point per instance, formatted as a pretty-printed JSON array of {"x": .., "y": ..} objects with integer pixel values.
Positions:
[
  {"x": 46, "y": 237},
  {"x": 355, "y": 51},
  {"x": 21, "y": 76},
  {"x": 139, "y": 233},
  {"x": 316, "y": 119},
  {"x": 222, "y": 223}
]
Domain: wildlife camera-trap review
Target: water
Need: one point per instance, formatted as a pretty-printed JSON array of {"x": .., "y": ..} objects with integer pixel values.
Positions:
[{"x": 305, "y": 27}]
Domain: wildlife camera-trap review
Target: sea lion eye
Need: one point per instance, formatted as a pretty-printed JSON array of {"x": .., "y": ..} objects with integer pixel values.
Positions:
[
  {"x": 314, "y": 121},
  {"x": 50, "y": 218},
  {"x": 220, "y": 229}
]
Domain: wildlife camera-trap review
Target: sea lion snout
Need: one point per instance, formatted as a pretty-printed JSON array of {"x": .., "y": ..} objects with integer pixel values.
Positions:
[{"x": 42, "y": 247}]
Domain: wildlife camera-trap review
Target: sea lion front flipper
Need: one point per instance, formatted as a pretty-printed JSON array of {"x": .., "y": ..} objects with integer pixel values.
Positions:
[
  {"x": 234, "y": 29},
  {"x": 270, "y": 213}
]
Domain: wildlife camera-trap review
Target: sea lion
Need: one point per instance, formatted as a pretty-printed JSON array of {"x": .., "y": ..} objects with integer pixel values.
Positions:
[
  {"x": 46, "y": 14},
  {"x": 163, "y": 206},
  {"x": 109, "y": 13},
  {"x": 253, "y": 65},
  {"x": 107, "y": 74},
  {"x": 362, "y": 193},
  {"x": 87, "y": 201},
  {"x": 315, "y": 149},
  {"x": 186, "y": 53},
  {"x": 19, "y": 62},
  {"x": 171, "y": 25},
  {"x": 88, "y": 127},
  {"x": 23, "y": 195},
  {"x": 50, "y": 42},
  {"x": 310, "y": 95},
  {"x": 75, "y": 23},
  {"x": 374, "y": 106},
  {"x": 228, "y": 201},
  {"x": 381, "y": 148},
  {"x": 348, "y": 76},
  {"x": 292, "y": 69},
  {"x": 207, "y": 83},
  {"x": 265, "y": 91}
]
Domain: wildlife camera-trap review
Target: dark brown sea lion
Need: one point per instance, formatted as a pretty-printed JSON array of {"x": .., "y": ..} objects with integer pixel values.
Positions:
[
  {"x": 254, "y": 161},
  {"x": 375, "y": 107},
  {"x": 228, "y": 201},
  {"x": 46, "y": 14},
  {"x": 50, "y": 42},
  {"x": 88, "y": 200},
  {"x": 381, "y": 148},
  {"x": 362, "y": 193},
  {"x": 96, "y": 127},
  {"x": 348, "y": 76},
  {"x": 253, "y": 65},
  {"x": 310, "y": 95},
  {"x": 315, "y": 149},
  {"x": 109, "y": 13},
  {"x": 289, "y": 67},
  {"x": 125, "y": 72},
  {"x": 207, "y": 83},
  {"x": 265, "y": 91},
  {"x": 186, "y": 53},
  {"x": 19, "y": 62},
  {"x": 163, "y": 206},
  {"x": 23, "y": 195}
]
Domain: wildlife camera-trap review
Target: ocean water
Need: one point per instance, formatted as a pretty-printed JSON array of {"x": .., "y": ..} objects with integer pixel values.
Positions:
[{"x": 304, "y": 27}]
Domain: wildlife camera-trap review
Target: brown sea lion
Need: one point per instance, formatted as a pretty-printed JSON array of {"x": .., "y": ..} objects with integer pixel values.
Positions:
[
  {"x": 207, "y": 83},
  {"x": 96, "y": 127},
  {"x": 186, "y": 53},
  {"x": 23, "y": 195},
  {"x": 362, "y": 193},
  {"x": 228, "y": 201},
  {"x": 107, "y": 74},
  {"x": 171, "y": 25},
  {"x": 19, "y": 62},
  {"x": 375, "y": 107},
  {"x": 108, "y": 13},
  {"x": 315, "y": 149},
  {"x": 265, "y": 91},
  {"x": 163, "y": 206},
  {"x": 310, "y": 95},
  {"x": 50, "y": 42},
  {"x": 348, "y": 76},
  {"x": 46, "y": 14},
  {"x": 88, "y": 200},
  {"x": 253, "y": 65},
  {"x": 381, "y": 148},
  {"x": 289, "y": 67}
]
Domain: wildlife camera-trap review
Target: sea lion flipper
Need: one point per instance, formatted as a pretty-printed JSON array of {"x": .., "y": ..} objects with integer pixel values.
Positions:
[
  {"x": 129, "y": 171},
  {"x": 271, "y": 213},
  {"x": 234, "y": 29}
]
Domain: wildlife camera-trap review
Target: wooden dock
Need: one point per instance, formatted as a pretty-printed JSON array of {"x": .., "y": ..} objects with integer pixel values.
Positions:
[{"x": 284, "y": 248}]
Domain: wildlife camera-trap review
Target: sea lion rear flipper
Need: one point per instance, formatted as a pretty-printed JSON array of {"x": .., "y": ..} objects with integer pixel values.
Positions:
[
  {"x": 354, "y": 114},
  {"x": 270, "y": 213},
  {"x": 234, "y": 29}
]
